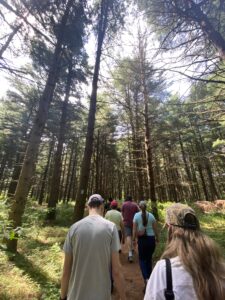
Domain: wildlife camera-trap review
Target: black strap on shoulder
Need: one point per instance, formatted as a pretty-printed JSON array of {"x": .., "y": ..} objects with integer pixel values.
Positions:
[{"x": 168, "y": 293}]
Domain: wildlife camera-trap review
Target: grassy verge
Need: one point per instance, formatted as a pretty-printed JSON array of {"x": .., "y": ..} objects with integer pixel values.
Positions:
[
  {"x": 212, "y": 224},
  {"x": 34, "y": 272}
]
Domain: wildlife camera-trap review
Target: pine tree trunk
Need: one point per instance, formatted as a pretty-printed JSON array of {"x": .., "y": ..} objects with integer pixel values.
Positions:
[
  {"x": 104, "y": 169},
  {"x": 148, "y": 141},
  {"x": 119, "y": 182},
  {"x": 195, "y": 13},
  {"x": 214, "y": 192},
  {"x": 44, "y": 177},
  {"x": 172, "y": 178},
  {"x": 212, "y": 187},
  {"x": 131, "y": 180},
  {"x": 3, "y": 165},
  {"x": 64, "y": 166},
  {"x": 68, "y": 173},
  {"x": 3, "y": 183},
  {"x": 86, "y": 163},
  {"x": 188, "y": 172},
  {"x": 194, "y": 175},
  {"x": 72, "y": 174},
  {"x": 97, "y": 162},
  {"x": 20, "y": 154},
  {"x": 207, "y": 197},
  {"x": 57, "y": 168},
  {"x": 135, "y": 146},
  {"x": 28, "y": 168},
  {"x": 137, "y": 155},
  {"x": 15, "y": 175}
]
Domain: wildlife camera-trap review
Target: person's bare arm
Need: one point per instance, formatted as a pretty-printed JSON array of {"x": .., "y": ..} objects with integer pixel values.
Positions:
[
  {"x": 122, "y": 211},
  {"x": 122, "y": 230},
  {"x": 134, "y": 231},
  {"x": 118, "y": 277},
  {"x": 155, "y": 229},
  {"x": 67, "y": 267}
]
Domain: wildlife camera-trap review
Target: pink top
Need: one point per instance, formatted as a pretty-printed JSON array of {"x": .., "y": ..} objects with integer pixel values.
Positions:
[{"x": 129, "y": 209}]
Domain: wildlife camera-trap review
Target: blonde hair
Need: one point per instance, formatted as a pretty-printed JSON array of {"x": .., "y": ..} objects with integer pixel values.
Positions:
[{"x": 201, "y": 257}]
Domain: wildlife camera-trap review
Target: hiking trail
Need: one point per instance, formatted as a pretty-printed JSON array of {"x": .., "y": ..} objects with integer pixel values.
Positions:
[{"x": 132, "y": 275}]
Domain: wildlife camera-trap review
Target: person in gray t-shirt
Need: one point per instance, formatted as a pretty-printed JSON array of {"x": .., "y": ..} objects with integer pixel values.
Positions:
[{"x": 91, "y": 248}]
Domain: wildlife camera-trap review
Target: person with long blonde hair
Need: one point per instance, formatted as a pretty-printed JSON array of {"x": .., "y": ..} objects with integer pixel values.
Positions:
[{"x": 197, "y": 264}]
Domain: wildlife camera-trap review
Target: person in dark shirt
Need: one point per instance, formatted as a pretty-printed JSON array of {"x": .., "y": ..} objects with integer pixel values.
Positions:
[
  {"x": 129, "y": 209},
  {"x": 107, "y": 205}
]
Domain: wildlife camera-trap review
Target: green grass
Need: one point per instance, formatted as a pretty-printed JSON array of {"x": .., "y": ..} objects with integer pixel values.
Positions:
[
  {"x": 212, "y": 224},
  {"x": 34, "y": 273}
]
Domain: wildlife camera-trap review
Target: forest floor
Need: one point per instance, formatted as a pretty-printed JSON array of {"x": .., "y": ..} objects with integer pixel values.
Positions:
[
  {"x": 132, "y": 275},
  {"x": 34, "y": 272}
]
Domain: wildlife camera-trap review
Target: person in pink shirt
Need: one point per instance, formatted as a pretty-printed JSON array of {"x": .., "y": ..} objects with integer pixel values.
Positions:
[{"x": 129, "y": 209}]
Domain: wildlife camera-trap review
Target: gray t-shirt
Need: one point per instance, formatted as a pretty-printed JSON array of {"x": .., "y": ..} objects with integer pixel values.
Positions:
[{"x": 91, "y": 241}]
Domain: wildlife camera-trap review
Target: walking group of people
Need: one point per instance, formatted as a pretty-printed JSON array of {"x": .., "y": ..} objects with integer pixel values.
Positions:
[
  {"x": 191, "y": 267},
  {"x": 134, "y": 222}
]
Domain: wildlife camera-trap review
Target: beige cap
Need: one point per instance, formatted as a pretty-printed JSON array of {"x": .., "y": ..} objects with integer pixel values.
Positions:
[{"x": 182, "y": 215}]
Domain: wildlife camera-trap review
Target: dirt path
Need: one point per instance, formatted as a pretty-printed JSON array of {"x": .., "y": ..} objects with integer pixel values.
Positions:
[{"x": 133, "y": 278}]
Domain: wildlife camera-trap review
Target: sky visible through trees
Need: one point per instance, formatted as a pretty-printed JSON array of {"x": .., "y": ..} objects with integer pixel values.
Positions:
[{"x": 122, "y": 46}]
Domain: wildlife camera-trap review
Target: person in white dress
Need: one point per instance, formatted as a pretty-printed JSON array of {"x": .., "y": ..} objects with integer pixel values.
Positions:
[{"x": 197, "y": 264}]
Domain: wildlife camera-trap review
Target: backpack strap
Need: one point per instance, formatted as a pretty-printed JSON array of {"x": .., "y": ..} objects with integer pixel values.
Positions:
[{"x": 168, "y": 293}]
